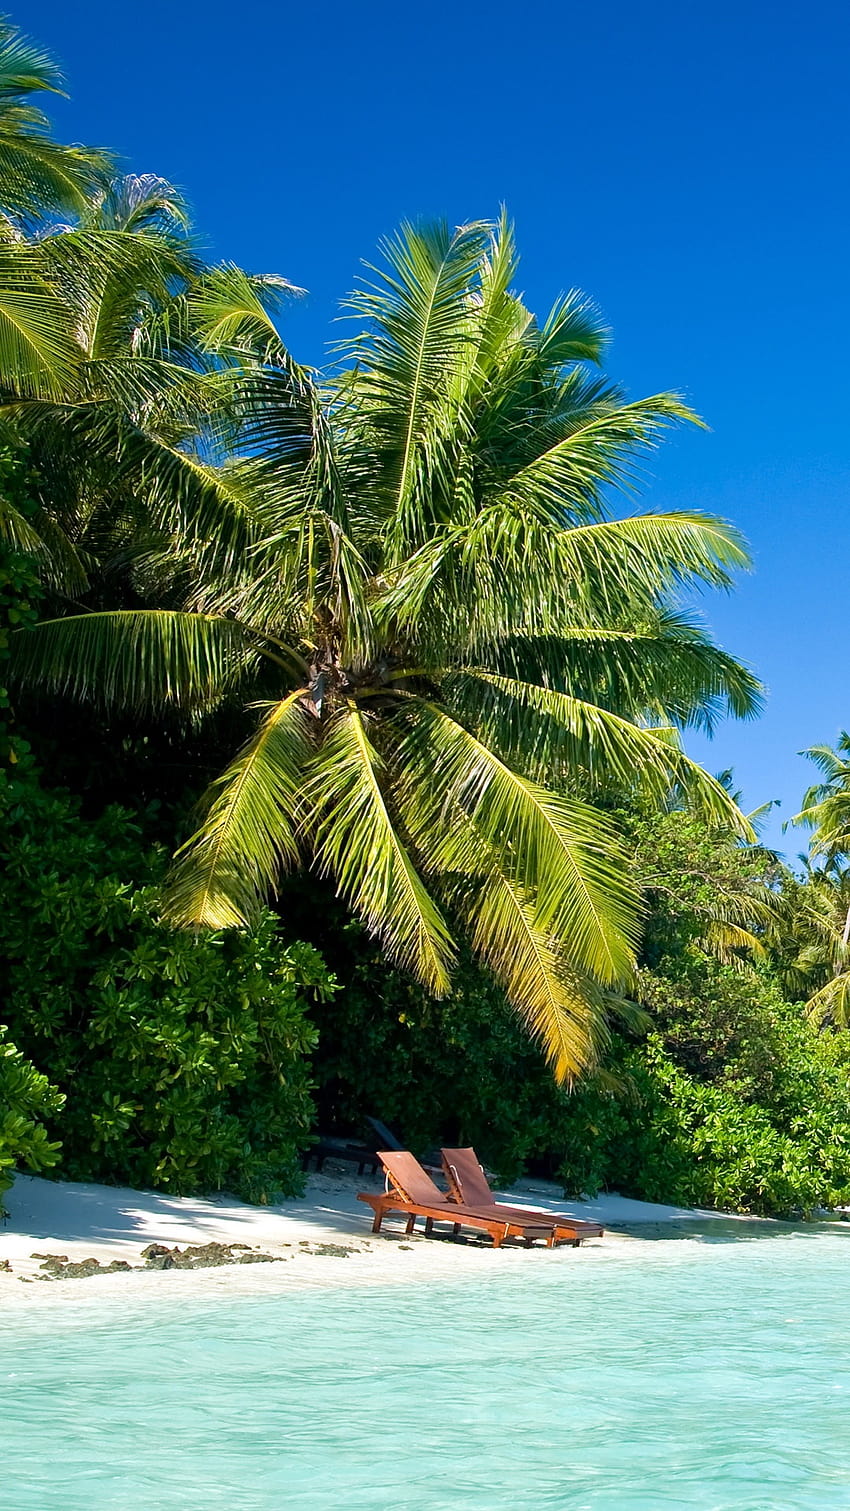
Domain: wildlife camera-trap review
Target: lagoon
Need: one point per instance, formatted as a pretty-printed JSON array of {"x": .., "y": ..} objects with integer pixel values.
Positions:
[{"x": 706, "y": 1372}]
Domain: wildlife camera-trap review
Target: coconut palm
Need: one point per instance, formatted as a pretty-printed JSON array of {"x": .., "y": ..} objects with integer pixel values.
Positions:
[
  {"x": 40, "y": 180},
  {"x": 141, "y": 380},
  {"x": 38, "y": 176},
  {"x": 817, "y": 908},
  {"x": 810, "y": 939},
  {"x": 410, "y": 570},
  {"x": 826, "y": 805}
]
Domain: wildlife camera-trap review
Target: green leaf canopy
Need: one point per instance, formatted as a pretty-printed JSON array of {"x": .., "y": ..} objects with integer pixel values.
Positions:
[{"x": 462, "y": 655}]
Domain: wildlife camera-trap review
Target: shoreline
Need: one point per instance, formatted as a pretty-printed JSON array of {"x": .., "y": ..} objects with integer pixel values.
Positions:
[{"x": 321, "y": 1239}]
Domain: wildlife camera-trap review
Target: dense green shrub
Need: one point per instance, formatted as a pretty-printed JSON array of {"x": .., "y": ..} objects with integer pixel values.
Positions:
[
  {"x": 26, "y": 1097},
  {"x": 184, "y": 1059},
  {"x": 459, "y": 1070},
  {"x": 732, "y": 1099}
]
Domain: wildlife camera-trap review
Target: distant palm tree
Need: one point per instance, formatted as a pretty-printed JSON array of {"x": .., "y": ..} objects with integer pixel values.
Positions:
[
  {"x": 812, "y": 941},
  {"x": 818, "y": 909},
  {"x": 826, "y": 805},
  {"x": 409, "y": 569}
]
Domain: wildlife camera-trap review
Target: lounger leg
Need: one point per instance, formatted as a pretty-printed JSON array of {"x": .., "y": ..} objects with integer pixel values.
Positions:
[
  {"x": 455, "y": 1228},
  {"x": 429, "y": 1224},
  {"x": 376, "y": 1225},
  {"x": 497, "y": 1240},
  {"x": 411, "y": 1221}
]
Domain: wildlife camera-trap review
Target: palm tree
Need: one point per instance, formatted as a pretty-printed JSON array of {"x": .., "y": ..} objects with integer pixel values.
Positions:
[
  {"x": 137, "y": 379},
  {"x": 817, "y": 907},
  {"x": 40, "y": 181},
  {"x": 411, "y": 570},
  {"x": 826, "y": 805},
  {"x": 38, "y": 176},
  {"x": 810, "y": 939}
]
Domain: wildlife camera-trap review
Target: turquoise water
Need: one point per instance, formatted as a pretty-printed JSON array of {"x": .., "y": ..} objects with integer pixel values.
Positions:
[{"x": 711, "y": 1375}]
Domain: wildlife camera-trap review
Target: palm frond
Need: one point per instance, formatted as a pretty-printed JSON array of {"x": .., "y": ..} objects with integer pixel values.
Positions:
[
  {"x": 510, "y": 571},
  {"x": 418, "y": 319},
  {"x": 233, "y": 312},
  {"x": 562, "y": 1012},
  {"x": 561, "y": 853},
  {"x": 832, "y": 1003},
  {"x": 38, "y": 352},
  {"x": 138, "y": 659},
  {"x": 37, "y": 174},
  {"x": 357, "y": 841},
  {"x": 665, "y": 669},
  {"x": 570, "y": 734},
  {"x": 251, "y": 828}
]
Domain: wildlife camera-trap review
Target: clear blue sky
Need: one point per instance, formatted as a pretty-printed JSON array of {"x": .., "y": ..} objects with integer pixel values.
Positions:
[{"x": 685, "y": 164}]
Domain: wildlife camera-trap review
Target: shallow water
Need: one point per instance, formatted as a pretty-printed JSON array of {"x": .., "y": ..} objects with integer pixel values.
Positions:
[{"x": 711, "y": 1375}]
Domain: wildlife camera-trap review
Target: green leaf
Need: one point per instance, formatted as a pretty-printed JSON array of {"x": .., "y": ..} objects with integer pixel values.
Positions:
[
  {"x": 251, "y": 829},
  {"x": 140, "y": 659},
  {"x": 358, "y": 842}
]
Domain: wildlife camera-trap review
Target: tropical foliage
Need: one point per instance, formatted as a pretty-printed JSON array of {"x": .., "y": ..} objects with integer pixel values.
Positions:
[
  {"x": 38, "y": 176},
  {"x": 410, "y": 568},
  {"x": 812, "y": 937},
  {"x": 27, "y": 1100},
  {"x": 180, "y": 1063},
  {"x": 455, "y": 673},
  {"x": 722, "y": 1095},
  {"x": 826, "y": 804}
]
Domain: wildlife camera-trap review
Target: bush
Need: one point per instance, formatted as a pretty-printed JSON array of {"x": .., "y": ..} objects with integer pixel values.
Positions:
[
  {"x": 458, "y": 1071},
  {"x": 184, "y": 1059},
  {"x": 732, "y": 1100},
  {"x": 25, "y": 1098},
  {"x": 739, "y": 1101}
]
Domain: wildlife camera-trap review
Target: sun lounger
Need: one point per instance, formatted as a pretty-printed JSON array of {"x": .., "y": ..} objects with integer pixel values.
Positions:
[
  {"x": 415, "y": 1194},
  {"x": 327, "y": 1147},
  {"x": 468, "y": 1185},
  {"x": 386, "y": 1139}
]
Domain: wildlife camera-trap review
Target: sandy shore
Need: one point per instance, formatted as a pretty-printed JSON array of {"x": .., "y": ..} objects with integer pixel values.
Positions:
[{"x": 82, "y": 1221}]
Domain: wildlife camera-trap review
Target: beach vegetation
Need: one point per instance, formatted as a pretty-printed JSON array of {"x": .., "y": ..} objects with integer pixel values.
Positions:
[
  {"x": 382, "y": 655},
  {"x": 717, "y": 1090},
  {"x": 411, "y": 569},
  {"x": 176, "y": 1061},
  {"x": 27, "y": 1101}
]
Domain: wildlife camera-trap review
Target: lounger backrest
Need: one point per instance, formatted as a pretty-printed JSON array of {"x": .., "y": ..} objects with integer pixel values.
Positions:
[
  {"x": 408, "y": 1177},
  {"x": 466, "y": 1178},
  {"x": 385, "y": 1135}
]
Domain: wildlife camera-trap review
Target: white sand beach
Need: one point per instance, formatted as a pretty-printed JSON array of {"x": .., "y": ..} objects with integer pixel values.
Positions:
[{"x": 85, "y": 1221}]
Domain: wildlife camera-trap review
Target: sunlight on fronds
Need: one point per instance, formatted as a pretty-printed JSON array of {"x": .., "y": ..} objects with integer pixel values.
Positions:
[
  {"x": 138, "y": 659},
  {"x": 358, "y": 844},
  {"x": 250, "y": 831},
  {"x": 559, "y": 851},
  {"x": 462, "y": 656}
]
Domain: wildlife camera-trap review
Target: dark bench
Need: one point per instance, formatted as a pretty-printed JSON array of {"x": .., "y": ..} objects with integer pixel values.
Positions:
[{"x": 363, "y": 1155}]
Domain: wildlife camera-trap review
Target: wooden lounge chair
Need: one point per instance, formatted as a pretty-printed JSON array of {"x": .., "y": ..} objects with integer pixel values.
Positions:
[
  {"x": 468, "y": 1185},
  {"x": 386, "y": 1139},
  {"x": 414, "y": 1193}
]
